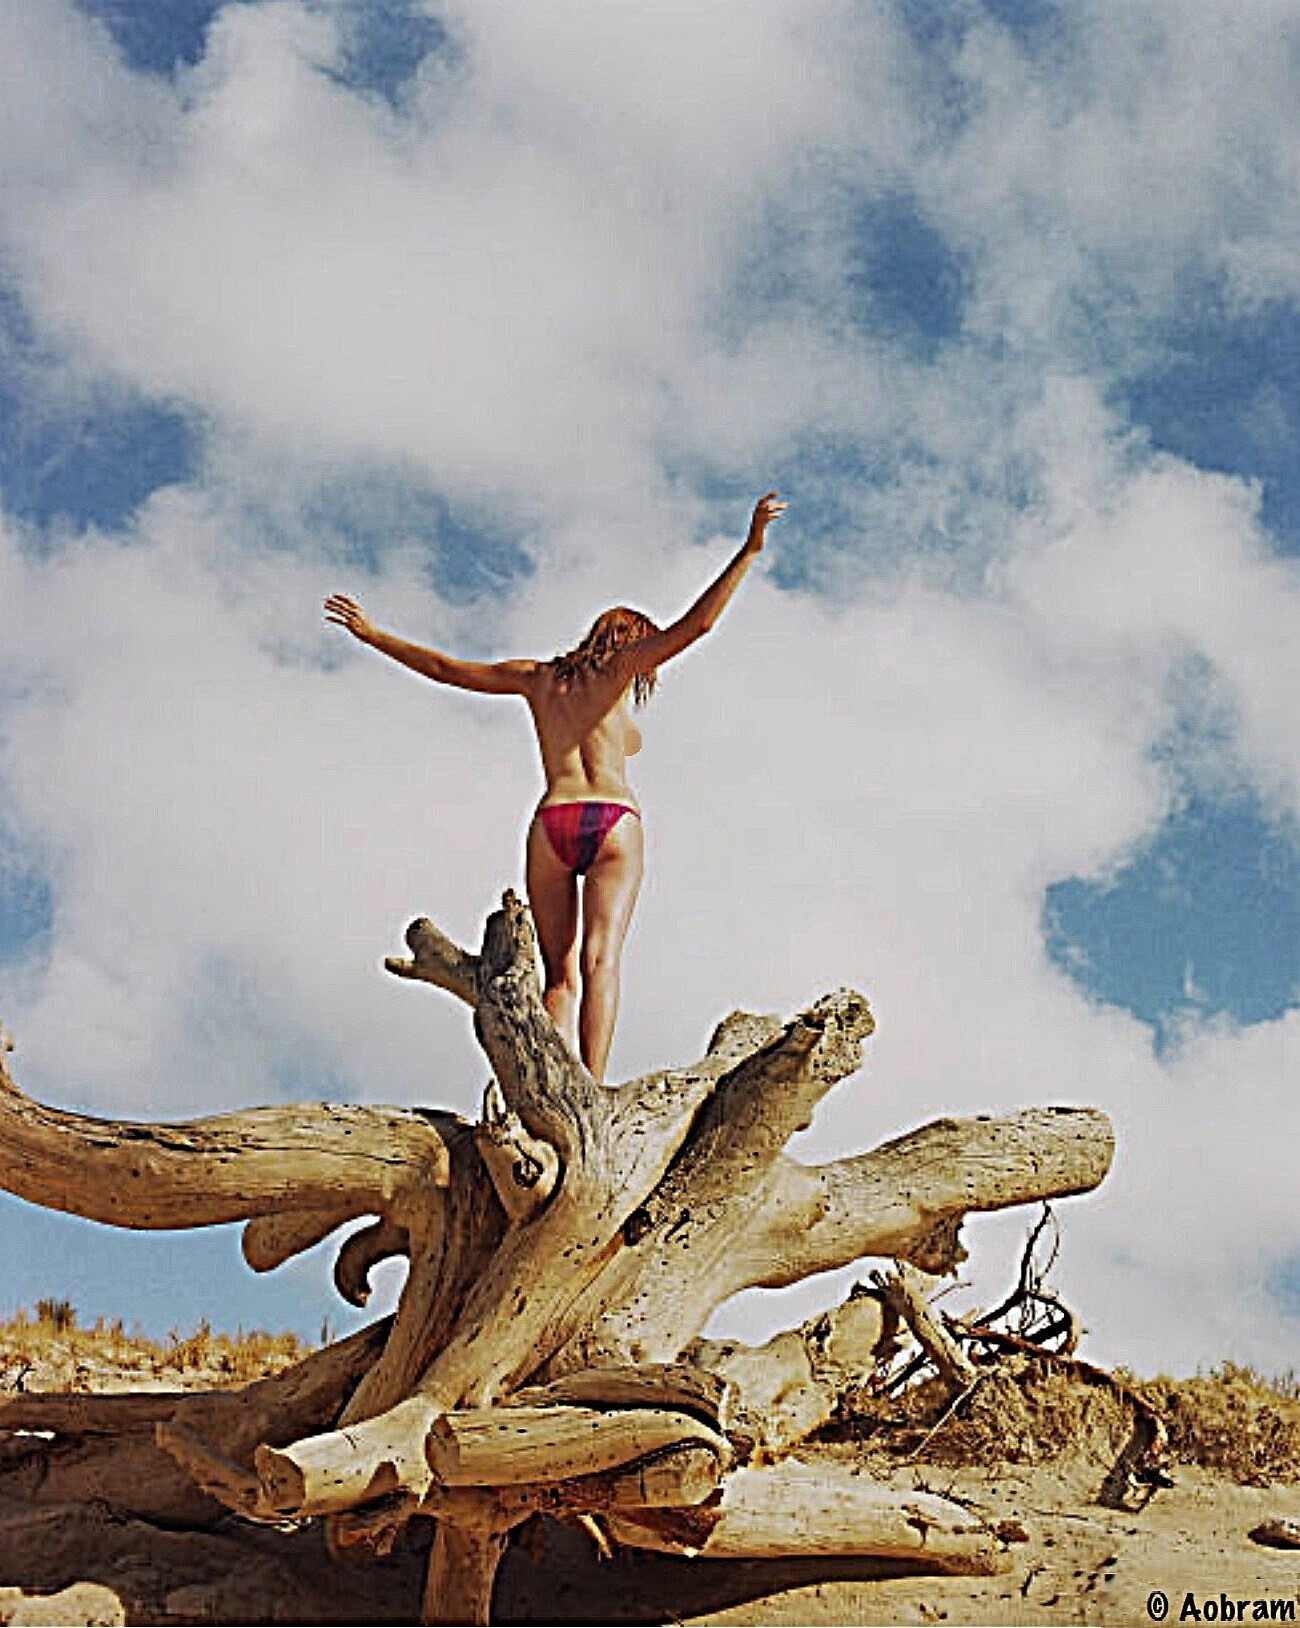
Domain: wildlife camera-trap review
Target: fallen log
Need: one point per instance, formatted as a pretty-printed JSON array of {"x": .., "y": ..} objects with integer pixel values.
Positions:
[
  {"x": 800, "y": 1507},
  {"x": 500, "y": 1447}
]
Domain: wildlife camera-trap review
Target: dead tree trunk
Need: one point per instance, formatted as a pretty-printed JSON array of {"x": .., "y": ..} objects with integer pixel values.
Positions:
[{"x": 565, "y": 1254}]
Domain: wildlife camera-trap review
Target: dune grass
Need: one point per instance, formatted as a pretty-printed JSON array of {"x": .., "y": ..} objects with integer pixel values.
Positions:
[
  {"x": 1234, "y": 1421},
  {"x": 50, "y": 1340}
]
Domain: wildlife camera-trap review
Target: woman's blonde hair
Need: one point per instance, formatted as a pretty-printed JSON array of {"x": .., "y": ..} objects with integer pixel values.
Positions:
[{"x": 612, "y": 631}]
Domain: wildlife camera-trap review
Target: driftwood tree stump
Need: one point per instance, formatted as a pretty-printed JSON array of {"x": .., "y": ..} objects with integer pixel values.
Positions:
[{"x": 565, "y": 1253}]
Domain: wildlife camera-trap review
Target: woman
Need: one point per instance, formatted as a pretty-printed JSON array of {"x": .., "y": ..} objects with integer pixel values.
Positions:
[{"x": 588, "y": 823}]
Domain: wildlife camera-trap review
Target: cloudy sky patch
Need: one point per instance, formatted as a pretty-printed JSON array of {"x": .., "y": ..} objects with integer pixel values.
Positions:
[{"x": 495, "y": 316}]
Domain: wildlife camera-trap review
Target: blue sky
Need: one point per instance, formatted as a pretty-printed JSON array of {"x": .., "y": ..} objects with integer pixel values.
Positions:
[
  {"x": 1223, "y": 391},
  {"x": 493, "y": 323}
]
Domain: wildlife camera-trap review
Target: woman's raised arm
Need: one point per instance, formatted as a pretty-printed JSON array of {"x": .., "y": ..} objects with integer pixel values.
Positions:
[
  {"x": 647, "y": 654},
  {"x": 488, "y": 677}
]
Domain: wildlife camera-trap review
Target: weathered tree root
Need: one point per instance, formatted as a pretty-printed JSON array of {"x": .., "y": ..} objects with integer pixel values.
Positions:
[
  {"x": 903, "y": 1291},
  {"x": 565, "y": 1254},
  {"x": 86, "y": 1448}
]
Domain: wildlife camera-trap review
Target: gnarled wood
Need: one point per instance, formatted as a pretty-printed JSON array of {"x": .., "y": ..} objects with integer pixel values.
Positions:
[
  {"x": 904, "y": 1291},
  {"x": 450, "y": 1249},
  {"x": 198, "y": 1173},
  {"x": 788, "y": 1221},
  {"x": 362, "y": 1252},
  {"x": 523, "y": 1168},
  {"x": 781, "y": 1391},
  {"x": 565, "y": 1254},
  {"x": 615, "y": 1148},
  {"x": 658, "y": 1292}
]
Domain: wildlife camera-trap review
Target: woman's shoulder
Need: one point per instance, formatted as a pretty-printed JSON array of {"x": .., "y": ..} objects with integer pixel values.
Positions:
[{"x": 595, "y": 696}]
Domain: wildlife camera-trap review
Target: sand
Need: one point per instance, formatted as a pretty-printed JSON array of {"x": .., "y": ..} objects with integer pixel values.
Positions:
[{"x": 1070, "y": 1557}]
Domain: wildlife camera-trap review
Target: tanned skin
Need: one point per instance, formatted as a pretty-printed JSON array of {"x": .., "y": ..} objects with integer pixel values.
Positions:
[{"x": 585, "y": 734}]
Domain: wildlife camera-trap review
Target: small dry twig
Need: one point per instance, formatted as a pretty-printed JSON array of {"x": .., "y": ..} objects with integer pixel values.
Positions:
[{"x": 947, "y": 1414}]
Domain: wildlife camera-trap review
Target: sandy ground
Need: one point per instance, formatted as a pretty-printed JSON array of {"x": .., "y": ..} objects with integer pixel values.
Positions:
[
  {"x": 1082, "y": 1563},
  {"x": 1075, "y": 1560}
]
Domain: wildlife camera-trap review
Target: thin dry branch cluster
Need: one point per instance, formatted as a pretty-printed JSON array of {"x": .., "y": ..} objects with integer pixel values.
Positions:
[{"x": 565, "y": 1254}]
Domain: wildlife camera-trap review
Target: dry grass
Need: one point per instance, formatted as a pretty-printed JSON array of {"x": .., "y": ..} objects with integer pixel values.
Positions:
[
  {"x": 1029, "y": 1411},
  {"x": 48, "y": 1350},
  {"x": 1022, "y": 1412},
  {"x": 1026, "y": 1410},
  {"x": 1233, "y": 1420}
]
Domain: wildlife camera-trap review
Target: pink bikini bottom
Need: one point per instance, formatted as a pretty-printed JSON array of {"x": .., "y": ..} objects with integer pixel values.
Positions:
[{"x": 576, "y": 830}]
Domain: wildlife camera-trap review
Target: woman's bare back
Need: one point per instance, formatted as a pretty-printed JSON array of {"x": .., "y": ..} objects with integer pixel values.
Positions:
[{"x": 585, "y": 734}]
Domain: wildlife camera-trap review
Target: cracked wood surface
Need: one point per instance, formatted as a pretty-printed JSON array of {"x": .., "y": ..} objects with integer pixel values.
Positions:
[
  {"x": 227, "y": 1167},
  {"x": 564, "y": 1255}
]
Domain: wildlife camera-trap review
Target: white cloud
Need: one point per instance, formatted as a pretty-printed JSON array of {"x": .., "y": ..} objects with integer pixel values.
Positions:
[
  {"x": 1162, "y": 143},
  {"x": 208, "y": 804},
  {"x": 517, "y": 292},
  {"x": 72, "y": 105},
  {"x": 497, "y": 293},
  {"x": 1149, "y": 581}
]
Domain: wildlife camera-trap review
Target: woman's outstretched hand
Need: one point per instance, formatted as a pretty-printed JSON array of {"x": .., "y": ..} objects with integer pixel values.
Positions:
[
  {"x": 768, "y": 508},
  {"x": 347, "y": 613}
]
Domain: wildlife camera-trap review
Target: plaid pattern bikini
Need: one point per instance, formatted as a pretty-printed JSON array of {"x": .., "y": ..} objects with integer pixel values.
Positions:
[{"x": 576, "y": 830}]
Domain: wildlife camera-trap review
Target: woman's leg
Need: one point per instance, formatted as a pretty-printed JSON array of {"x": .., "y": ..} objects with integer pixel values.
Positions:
[
  {"x": 608, "y": 897},
  {"x": 553, "y": 898}
]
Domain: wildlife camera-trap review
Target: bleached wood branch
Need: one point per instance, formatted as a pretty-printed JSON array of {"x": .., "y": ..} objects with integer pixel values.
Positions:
[
  {"x": 904, "y": 1290},
  {"x": 907, "y": 1198},
  {"x": 434, "y": 959},
  {"x": 802, "y": 1508},
  {"x": 197, "y": 1173},
  {"x": 498, "y": 1447},
  {"x": 270, "y": 1240},
  {"x": 362, "y": 1252}
]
